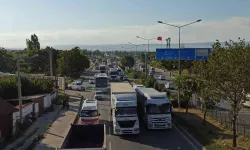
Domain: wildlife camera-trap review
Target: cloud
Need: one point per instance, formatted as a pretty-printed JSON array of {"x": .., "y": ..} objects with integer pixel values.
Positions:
[{"x": 205, "y": 31}]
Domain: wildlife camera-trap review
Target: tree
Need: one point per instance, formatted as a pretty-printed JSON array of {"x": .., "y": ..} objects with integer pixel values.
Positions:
[
  {"x": 128, "y": 61},
  {"x": 72, "y": 63},
  {"x": 209, "y": 95},
  {"x": 228, "y": 70},
  {"x": 187, "y": 85},
  {"x": 7, "y": 62},
  {"x": 32, "y": 43}
]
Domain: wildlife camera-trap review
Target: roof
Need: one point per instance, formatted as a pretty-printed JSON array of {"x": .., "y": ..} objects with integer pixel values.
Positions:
[
  {"x": 6, "y": 108},
  {"x": 90, "y": 104},
  {"x": 121, "y": 88},
  {"x": 101, "y": 75},
  {"x": 152, "y": 93},
  {"x": 121, "y": 97}
]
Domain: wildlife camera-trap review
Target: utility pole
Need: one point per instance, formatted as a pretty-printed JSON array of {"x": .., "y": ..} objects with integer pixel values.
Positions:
[
  {"x": 19, "y": 90},
  {"x": 51, "y": 63}
]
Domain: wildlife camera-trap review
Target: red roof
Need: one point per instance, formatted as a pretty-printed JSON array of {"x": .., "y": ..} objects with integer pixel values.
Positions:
[{"x": 6, "y": 108}]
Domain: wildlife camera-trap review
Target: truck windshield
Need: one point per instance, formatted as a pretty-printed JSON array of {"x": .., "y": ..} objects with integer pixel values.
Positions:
[
  {"x": 162, "y": 109},
  {"x": 89, "y": 113},
  {"x": 101, "y": 82},
  {"x": 113, "y": 73},
  {"x": 125, "y": 111},
  {"x": 102, "y": 68}
]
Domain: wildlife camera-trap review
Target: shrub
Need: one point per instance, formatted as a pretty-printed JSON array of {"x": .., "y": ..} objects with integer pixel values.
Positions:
[{"x": 9, "y": 87}]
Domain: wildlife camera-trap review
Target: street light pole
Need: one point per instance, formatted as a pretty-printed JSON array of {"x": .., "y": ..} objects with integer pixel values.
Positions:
[
  {"x": 179, "y": 59},
  {"x": 146, "y": 55}
]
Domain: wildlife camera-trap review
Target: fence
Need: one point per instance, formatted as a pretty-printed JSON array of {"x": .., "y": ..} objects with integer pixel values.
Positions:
[{"x": 242, "y": 126}]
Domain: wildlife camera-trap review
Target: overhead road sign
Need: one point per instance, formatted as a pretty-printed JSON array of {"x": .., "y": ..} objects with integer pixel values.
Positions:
[{"x": 172, "y": 54}]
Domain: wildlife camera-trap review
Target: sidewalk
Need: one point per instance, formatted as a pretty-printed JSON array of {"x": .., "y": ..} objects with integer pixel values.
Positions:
[
  {"x": 60, "y": 127},
  {"x": 34, "y": 130}
]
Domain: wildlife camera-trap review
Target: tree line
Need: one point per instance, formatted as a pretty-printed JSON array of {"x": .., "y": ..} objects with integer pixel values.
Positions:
[
  {"x": 33, "y": 59},
  {"x": 223, "y": 76}
]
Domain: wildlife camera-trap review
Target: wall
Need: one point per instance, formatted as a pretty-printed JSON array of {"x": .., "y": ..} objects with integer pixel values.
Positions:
[{"x": 34, "y": 108}]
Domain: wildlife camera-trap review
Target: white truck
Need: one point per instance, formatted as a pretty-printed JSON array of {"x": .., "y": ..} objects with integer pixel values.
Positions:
[
  {"x": 124, "y": 109},
  {"x": 154, "y": 108}
]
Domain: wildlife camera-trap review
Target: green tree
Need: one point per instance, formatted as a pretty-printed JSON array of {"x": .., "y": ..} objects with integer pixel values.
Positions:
[
  {"x": 7, "y": 62},
  {"x": 187, "y": 85},
  {"x": 128, "y": 61},
  {"x": 205, "y": 90},
  {"x": 228, "y": 70},
  {"x": 32, "y": 43},
  {"x": 72, "y": 63}
]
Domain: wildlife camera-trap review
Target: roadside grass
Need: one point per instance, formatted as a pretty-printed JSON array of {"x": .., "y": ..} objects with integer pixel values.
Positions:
[
  {"x": 213, "y": 136},
  {"x": 59, "y": 99}
]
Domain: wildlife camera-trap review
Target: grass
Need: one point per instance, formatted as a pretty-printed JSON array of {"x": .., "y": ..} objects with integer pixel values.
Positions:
[
  {"x": 213, "y": 136},
  {"x": 59, "y": 99}
]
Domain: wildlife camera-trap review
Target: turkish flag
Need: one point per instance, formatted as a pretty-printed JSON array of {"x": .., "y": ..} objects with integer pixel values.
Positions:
[{"x": 159, "y": 38}]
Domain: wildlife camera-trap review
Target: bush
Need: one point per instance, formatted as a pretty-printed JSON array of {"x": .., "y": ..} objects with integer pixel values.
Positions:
[
  {"x": 9, "y": 87},
  {"x": 60, "y": 97},
  {"x": 148, "y": 82}
]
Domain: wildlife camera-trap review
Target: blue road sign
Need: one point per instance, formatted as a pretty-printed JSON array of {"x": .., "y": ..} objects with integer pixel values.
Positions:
[{"x": 186, "y": 53}]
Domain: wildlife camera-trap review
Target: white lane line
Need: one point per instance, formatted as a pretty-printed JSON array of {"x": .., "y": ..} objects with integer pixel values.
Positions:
[
  {"x": 109, "y": 130},
  {"x": 110, "y": 146},
  {"x": 191, "y": 143}
]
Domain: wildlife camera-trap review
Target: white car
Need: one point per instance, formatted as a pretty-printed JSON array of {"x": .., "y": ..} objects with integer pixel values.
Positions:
[
  {"x": 91, "y": 81},
  {"x": 169, "y": 85},
  {"x": 161, "y": 77},
  {"x": 76, "y": 86},
  {"x": 99, "y": 95}
]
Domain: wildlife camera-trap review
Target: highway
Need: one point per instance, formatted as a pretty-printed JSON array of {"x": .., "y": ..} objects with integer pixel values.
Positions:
[{"x": 146, "y": 140}]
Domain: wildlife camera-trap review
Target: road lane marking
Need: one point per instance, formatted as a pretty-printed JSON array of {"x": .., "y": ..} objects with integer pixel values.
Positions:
[
  {"x": 185, "y": 137},
  {"x": 109, "y": 130},
  {"x": 110, "y": 146}
]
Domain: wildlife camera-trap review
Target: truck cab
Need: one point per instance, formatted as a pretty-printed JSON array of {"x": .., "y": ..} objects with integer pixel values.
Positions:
[
  {"x": 154, "y": 108},
  {"x": 124, "y": 109},
  {"x": 89, "y": 112}
]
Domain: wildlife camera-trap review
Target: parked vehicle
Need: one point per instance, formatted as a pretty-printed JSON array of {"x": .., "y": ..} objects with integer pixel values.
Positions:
[
  {"x": 91, "y": 81},
  {"x": 76, "y": 86},
  {"x": 169, "y": 85},
  {"x": 124, "y": 109},
  {"x": 154, "y": 108},
  {"x": 85, "y": 137},
  {"x": 162, "y": 77}
]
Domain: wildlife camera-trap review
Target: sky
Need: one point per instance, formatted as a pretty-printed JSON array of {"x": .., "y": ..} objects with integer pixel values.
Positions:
[{"x": 94, "y": 22}]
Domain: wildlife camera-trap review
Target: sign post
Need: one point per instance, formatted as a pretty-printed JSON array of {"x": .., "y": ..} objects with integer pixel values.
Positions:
[{"x": 172, "y": 54}]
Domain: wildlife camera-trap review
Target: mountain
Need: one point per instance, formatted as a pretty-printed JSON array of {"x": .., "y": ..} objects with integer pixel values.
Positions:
[{"x": 128, "y": 47}]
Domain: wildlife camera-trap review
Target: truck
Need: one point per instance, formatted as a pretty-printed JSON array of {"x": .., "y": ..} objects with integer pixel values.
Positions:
[
  {"x": 124, "y": 109},
  {"x": 154, "y": 108},
  {"x": 89, "y": 112},
  {"x": 102, "y": 68},
  {"x": 113, "y": 74},
  {"x": 85, "y": 137}
]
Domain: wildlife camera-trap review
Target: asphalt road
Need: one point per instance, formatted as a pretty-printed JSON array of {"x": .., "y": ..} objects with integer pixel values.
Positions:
[{"x": 146, "y": 140}]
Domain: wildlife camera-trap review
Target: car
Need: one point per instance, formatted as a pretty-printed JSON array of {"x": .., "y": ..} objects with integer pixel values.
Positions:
[
  {"x": 91, "y": 81},
  {"x": 125, "y": 78},
  {"x": 99, "y": 95},
  {"x": 169, "y": 85},
  {"x": 161, "y": 77},
  {"x": 76, "y": 86}
]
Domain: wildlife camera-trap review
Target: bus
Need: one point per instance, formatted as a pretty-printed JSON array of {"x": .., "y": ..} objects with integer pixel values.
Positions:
[{"x": 101, "y": 82}]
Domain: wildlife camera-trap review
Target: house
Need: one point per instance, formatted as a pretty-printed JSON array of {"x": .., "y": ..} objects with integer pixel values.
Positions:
[{"x": 6, "y": 119}]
